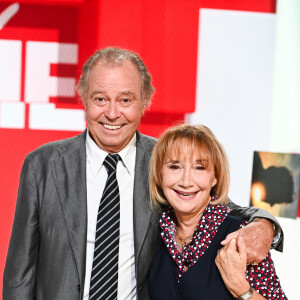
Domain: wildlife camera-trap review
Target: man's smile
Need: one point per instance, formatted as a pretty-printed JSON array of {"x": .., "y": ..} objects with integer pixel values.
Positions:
[{"x": 112, "y": 127}]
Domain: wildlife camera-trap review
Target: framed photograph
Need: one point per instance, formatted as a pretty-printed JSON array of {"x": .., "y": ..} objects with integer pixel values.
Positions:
[{"x": 275, "y": 183}]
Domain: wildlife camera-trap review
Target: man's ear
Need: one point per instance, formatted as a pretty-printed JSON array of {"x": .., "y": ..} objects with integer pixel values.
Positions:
[
  {"x": 84, "y": 104},
  {"x": 144, "y": 106}
]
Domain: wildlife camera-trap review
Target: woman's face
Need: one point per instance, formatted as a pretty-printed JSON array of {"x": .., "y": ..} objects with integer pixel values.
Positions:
[{"x": 187, "y": 181}]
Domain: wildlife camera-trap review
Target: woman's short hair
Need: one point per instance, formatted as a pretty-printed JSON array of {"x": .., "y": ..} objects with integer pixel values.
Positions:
[
  {"x": 115, "y": 56},
  {"x": 175, "y": 141}
]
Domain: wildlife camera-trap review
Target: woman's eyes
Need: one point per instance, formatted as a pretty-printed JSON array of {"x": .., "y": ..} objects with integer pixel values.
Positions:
[
  {"x": 177, "y": 167},
  {"x": 174, "y": 167},
  {"x": 200, "y": 168}
]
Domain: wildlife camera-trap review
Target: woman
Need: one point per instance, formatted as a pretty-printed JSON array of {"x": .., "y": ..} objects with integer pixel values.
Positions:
[{"x": 189, "y": 177}]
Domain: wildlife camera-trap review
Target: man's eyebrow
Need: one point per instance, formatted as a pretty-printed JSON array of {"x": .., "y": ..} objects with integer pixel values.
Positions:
[
  {"x": 127, "y": 93},
  {"x": 96, "y": 92}
]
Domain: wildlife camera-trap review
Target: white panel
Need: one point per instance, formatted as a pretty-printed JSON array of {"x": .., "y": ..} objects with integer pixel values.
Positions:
[
  {"x": 39, "y": 85},
  {"x": 48, "y": 117},
  {"x": 12, "y": 115},
  {"x": 286, "y": 106},
  {"x": 287, "y": 264},
  {"x": 234, "y": 87},
  {"x": 286, "y": 129},
  {"x": 10, "y": 70}
]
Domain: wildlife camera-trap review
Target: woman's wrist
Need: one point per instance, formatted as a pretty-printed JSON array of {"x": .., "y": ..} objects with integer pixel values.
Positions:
[{"x": 239, "y": 289}]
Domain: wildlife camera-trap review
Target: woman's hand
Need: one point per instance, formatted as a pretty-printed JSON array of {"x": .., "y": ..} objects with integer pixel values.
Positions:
[{"x": 231, "y": 262}]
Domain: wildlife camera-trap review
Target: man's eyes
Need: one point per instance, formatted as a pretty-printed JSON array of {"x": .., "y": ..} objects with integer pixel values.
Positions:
[
  {"x": 103, "y": 100},
  {"x": 125, "y": 101},
  {"x": 99, "y": 100}
]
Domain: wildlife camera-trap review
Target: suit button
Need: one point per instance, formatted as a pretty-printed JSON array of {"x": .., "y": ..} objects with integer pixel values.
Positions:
[{"x": 78, "y": 287}]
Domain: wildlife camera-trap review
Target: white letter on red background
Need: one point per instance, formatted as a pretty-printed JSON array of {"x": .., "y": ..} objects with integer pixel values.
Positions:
[
  {"x": 39, "y": 86},
  {"x": 12, "y": 111}
]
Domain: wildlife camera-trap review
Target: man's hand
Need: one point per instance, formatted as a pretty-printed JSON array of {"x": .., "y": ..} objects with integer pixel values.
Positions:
[
  {"x": 231, "y": 262},
  {"x": 258, "y": 237}
]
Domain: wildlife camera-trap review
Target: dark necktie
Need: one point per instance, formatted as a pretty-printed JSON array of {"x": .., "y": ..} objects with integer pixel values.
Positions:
[{"x": 104, "y": 277}]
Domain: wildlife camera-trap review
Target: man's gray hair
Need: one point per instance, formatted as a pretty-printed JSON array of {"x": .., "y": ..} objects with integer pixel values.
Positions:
[{"x": 115, "y": 56}]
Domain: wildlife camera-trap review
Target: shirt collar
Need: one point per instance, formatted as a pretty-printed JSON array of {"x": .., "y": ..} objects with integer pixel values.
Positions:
[{"x": 96, "y": 155}]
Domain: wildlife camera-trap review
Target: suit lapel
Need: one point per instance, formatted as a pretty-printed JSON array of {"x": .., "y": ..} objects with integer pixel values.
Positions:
[
  {"x": 141, "y": 203},
  {"x": 69, "y": 171}
]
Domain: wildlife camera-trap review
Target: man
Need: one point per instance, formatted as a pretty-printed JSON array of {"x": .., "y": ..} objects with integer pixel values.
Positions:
[{"x": 51, "y": 251}]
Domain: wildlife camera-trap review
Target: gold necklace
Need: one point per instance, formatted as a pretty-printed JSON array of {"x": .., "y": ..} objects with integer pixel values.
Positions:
[{"x": 183, "y": 240}]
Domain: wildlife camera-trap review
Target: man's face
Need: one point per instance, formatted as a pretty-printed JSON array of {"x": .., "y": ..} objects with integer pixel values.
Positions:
[{"x": 114, "y": 105}]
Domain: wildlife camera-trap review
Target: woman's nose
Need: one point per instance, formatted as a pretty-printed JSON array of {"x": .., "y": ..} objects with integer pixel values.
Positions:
[{"x": 186, "y": 178}]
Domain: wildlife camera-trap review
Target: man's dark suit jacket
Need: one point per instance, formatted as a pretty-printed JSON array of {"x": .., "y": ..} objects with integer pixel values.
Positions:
[{"x": 47, "y": 251}]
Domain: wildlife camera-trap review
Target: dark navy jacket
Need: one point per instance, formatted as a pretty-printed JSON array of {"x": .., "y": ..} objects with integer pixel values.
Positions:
[{"x": 202, "y": 281}]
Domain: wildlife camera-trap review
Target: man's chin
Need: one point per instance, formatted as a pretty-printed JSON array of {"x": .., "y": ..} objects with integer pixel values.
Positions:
[{"x": 112, "y": 144}]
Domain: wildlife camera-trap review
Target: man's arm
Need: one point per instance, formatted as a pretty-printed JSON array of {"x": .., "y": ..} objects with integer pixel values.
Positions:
[
  {"x": 19, "y": 279},
  {"x": 257, "y": 235}
]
